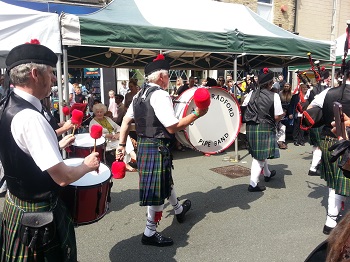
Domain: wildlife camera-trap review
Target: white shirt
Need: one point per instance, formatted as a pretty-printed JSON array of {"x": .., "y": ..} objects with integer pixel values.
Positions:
[
  {"x": 319, "y": 99},
  {"x": 162, "y": 106},
  {"x": 34, "y": 135},
  {"x": 276, "y": 103}
]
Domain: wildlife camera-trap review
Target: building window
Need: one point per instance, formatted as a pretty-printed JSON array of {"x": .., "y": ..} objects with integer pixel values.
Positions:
[
  {"x": 265, "y": 1},
  {"x": 265, "y": 9}
]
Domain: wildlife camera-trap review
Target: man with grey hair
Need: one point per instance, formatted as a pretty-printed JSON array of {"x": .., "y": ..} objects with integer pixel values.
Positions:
[
  {"x": 33, "y": 165},
  {"x": 156, "y": 124}
]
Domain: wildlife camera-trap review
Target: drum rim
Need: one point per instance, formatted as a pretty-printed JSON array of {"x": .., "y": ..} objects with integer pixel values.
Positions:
[{"x": 235, "y": 135}]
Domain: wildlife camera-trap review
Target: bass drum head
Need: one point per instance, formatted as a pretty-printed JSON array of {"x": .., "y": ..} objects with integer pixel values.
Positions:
[{"x": 215, "y": 131}]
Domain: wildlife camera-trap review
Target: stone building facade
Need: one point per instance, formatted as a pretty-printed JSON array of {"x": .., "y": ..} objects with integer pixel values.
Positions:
[{"x": 316, "y": 19}]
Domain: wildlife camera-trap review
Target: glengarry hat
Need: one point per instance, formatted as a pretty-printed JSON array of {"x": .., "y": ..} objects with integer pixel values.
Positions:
[
  {"x": 159, "y": 63},
  {"x": 31, "y": 52},
  {"x": 265, "y": 77}
]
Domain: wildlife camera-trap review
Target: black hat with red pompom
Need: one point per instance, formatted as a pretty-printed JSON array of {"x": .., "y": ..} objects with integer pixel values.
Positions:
[
  {"x": 31, "y": 52},
  {"x": 265, "y": 77},
  {"x": 159, "y": 63}
]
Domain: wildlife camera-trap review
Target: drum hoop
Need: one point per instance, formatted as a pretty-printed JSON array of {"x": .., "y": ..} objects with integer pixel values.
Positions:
[
  {"x": 235, "y": 135},
  {"x": 108, "y": 180},
  {"x": 89, "y": 147}
]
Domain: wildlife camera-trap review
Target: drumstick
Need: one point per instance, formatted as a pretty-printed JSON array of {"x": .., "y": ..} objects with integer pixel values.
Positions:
[
  {"x": 77, "y": 118},
  {"x": 95, "y": 133}
]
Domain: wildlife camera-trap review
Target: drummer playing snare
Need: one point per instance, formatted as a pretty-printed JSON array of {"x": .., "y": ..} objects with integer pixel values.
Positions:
[{"x": 154, "y": 105}]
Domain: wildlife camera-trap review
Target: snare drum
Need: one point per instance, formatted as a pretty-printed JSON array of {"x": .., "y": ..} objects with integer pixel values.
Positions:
[
  {"x": 88, "y": 198},
  {"x": 215, "y": 131},
  {"x": 84, "y": 146}
]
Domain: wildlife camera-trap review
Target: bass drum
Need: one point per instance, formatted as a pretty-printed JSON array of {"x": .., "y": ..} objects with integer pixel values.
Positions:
[{"x": 217, "y": 130}]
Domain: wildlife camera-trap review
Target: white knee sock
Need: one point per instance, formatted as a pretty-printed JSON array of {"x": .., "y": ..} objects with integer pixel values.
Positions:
[
  {"x": 266, "y": 169},
  {"x": 334, "y": 205},
  {"x": 175, "y": 202},
  {"x": 316, "y": 157},
  {"x": 255, "y": 171},
  {"x": 151, "y": 225}
]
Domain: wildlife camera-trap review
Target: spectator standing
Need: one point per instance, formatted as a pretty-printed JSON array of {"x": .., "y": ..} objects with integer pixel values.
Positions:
[{"x": 124, "y": 89}]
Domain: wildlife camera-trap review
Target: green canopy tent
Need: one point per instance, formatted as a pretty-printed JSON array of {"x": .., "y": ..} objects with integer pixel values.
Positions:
[
  {"x": 339, "y": 53},
  {"x": 192, "y": 34},
  {"x": 129, "y": 33}
]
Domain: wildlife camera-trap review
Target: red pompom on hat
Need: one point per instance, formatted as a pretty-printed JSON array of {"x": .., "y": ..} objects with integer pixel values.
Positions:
[
  {"x": 96, "y": 131},
  {"x": 77, "y": 117},
  {"x": 34, "y": 42},
  {"x": 66, "y": 110},
  {"x": 118, "y": 169},
  {"x": 202, "y": 98},
  {"x": 159, "y": 57}
]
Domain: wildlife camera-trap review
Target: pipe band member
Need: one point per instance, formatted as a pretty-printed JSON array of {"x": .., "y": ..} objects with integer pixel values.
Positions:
[{"x": 156, "y": 124}]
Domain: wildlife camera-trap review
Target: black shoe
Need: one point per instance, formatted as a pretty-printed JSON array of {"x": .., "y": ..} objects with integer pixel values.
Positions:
[
  {"x": 258, "y": 188},
  {"x": 327, "y": 230},
  {"x": 186, "y": 206},
  {"x": 313, "y": 173},
  {"x": 302, "y": 143},
  {"x": 296, "y": 144},
  {"x": 156, "y": 240},
  {"x": 268, "y": 178}
]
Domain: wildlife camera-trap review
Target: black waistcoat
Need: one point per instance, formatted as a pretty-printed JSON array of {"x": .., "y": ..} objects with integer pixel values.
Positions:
[
  {"x": 146, "y": 122},
  {"x": 24, "y": 178},
  {"x": 338, "y": 94},
  {"x": 265, "y": 104}
]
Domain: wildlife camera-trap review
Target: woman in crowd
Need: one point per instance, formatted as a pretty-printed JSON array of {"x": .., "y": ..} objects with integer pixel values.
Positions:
[
  {"x": 285, "y": 96},
  {"x": 111, "y": 134},
  {"x": 298, "y": 104},
  {"x": 133, "y": 89}
]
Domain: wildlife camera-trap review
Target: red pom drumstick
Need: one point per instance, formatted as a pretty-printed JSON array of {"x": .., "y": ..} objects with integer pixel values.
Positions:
[
  {"x": 77, "y": 118},
  {"x": 96, "y": 133},
  {"x": 118, "y": 169},
  {"x": 66, "y": 110},
  {"x": 202, "y": 98}
]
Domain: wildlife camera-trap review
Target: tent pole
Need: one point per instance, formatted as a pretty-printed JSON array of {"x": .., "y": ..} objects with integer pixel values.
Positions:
[
  {"x": 236, "y": 156},
  {"x": 66, "y": 89},
  {"x": 65, "y": 72},
  {"x": 59, "y": 87}
]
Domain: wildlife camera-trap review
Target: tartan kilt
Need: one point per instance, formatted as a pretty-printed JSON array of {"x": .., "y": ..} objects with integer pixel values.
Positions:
[
  {"x": 154, "y": 162},
  {"x": 315, "y": 136},
  {"x": 262, "y": 141},
  {"x": 62, "y": 248},
  {"x": 330, "y": 172}
]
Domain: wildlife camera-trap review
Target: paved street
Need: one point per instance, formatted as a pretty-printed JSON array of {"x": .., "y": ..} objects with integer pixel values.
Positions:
[{"x": 225, "y": 223}]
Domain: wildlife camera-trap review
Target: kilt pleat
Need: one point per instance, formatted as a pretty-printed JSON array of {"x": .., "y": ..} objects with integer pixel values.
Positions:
[
  {"x": 330, "y": 172},
  {"x": 315, "y": 136},
  {"x": 154, "y": 163},
  {"x": 63, "y": 246},
  {"x": 262, "y": 141}
]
